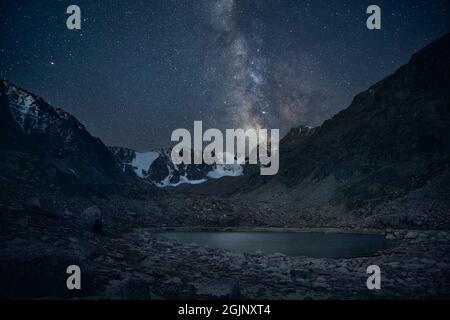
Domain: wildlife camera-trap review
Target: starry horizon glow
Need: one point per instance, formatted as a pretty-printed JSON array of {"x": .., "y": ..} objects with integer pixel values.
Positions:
[{"x": 137, "y": 70}]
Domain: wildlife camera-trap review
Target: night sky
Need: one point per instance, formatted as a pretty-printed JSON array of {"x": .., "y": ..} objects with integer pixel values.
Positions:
[{"x": 139, "y": 69}]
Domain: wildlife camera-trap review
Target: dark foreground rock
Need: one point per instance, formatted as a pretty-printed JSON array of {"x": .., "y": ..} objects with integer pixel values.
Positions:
[{"x": 32, "y": 269}]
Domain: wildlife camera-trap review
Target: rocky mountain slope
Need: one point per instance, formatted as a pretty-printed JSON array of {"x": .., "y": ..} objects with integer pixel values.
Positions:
[
  {"x": 64, "y": 148},
  {"x": 386, "y": 155}
]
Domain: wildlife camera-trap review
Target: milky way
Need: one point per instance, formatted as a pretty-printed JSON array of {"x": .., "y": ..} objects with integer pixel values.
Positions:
[
  {"x": 258, "y": 92},
  {"x": 243, "y": 74}
]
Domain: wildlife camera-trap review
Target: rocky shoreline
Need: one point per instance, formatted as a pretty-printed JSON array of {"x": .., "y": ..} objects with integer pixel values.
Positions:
[
  {"x": 136, "y": 263},
  {"x": 274, "y": 229},
  {"x": 417, "y": 266}
]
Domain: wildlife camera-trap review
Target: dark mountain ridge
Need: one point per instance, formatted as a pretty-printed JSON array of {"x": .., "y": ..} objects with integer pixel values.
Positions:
[
  {"x": 394, "y": 138},
  {"x": 63, "y": 145}
]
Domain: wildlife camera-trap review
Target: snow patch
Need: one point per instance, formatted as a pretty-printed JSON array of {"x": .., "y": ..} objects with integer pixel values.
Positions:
[
  {"x": 142, "y": 162},
  {"x": 226, "y": 170},
  {"x": 183, "y": 179},
  {"x": 22, "y": 105}
]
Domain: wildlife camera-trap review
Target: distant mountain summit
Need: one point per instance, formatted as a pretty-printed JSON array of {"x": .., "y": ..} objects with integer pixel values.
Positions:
[{"x": 66, "y": 149}]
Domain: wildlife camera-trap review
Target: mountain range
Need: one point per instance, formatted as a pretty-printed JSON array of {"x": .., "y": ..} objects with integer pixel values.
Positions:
[
  {"x": 384, "y": 159},
  {"x": 158, "y": 168}
]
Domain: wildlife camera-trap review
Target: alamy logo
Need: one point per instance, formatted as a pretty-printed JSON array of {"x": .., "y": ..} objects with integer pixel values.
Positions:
[
  {"x": 374, "y": 20},
  {"x": 74, "y": 280},
  {"x": 73, "y": 22},
  {"x": 374, "y": 281},
  {"x": 242, "y": 146}
]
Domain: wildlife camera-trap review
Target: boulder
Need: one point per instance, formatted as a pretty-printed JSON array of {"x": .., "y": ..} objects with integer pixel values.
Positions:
[
  {"x": 390, "y": 236},
  {"x": 92, "y": 219},
  {"x": 411, "y": 235},
  {"x": 220, "y": 288}
]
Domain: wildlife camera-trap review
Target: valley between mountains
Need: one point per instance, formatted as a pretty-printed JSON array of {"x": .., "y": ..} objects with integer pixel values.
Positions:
[{"x": 381, "y": 166}]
